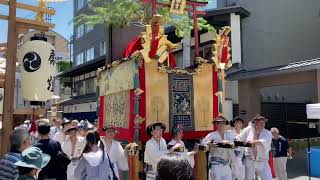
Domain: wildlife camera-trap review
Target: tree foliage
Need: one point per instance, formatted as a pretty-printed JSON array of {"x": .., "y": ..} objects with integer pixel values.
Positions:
[{"x": 120, "y": 13}]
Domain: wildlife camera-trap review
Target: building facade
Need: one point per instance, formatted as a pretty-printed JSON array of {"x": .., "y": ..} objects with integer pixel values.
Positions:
[
  {"x": 92, "y": 48},
  {"x": 279, "y": 72}
]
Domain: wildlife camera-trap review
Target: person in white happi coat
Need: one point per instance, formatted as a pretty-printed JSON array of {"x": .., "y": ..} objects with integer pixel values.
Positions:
[
  {"x": 55, "y": 128},
  {"x": 156, "y": 147},
  {"x": 73, "y": 147},
  {"x": 61, "y": 136},
  {"x": 115, "y": 152},
  {"x": 257, "y": 156},
  {"x": 177, "y": 133},
  {"x": 237, "y": 167},
  {"x": 219, "y": 158}
]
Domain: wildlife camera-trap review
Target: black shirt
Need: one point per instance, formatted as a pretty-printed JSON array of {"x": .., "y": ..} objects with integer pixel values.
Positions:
[
  {"x": 280, "y": 146},
  {"x": 52, "y": 148}
]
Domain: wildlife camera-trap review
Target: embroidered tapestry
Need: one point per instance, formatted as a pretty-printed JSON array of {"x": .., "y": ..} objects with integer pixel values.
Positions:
[
  {"x": 120, "y": 78},
  {"x": 181, "y": 100},
  {"x": 117, "y": 109}
]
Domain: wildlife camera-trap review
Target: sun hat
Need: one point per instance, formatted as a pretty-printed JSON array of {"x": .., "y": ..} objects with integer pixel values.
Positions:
[{"x": 33, "y": 157}]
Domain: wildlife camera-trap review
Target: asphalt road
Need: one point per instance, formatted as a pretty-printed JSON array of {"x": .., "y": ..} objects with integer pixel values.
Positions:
[{"x": 297, "y": 167}]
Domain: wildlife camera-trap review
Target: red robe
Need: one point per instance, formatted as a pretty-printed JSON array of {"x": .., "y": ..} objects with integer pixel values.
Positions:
[{"x": 135, "y": 45}]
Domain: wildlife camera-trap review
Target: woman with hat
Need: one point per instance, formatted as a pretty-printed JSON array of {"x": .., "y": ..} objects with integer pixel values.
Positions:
[
  {"x": 155, "y": 148},
  {"x": 73, "y": 147},
  {"x": 61, "y": 136},
  {"x": 219, "y": 158},
  {"x": 238, "y": 168},
  {"x": 115, "y": 152},
  {"x": 32, "y": 161},
  {"x": 257, "y": 156},
  {"x": 177, "y": 133}
]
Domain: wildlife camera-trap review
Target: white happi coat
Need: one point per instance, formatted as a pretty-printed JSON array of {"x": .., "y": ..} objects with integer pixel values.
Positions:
[
  {"x": 219, "y": 158},
  {"x": 189, "y": 158},
  {"x": 53, "y": 131},
  {"x": 152, "y": 154},
  {"x": 259, "y": 164},
  {"x": 59, "y": 136},
  {"x": 117, "y": 157},
  {"x": 67, "y": 148},
  {"x": 238, "y": 167}
]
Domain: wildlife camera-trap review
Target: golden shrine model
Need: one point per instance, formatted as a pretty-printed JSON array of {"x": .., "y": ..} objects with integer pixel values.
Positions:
[{"x": 146, "y": 87}]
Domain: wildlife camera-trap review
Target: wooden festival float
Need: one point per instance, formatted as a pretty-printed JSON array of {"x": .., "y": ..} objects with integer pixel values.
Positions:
[{"x": 146, "y": 87}]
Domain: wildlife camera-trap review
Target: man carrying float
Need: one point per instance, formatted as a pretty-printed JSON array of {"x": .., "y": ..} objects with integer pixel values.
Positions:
[
  {"x": 156, "y": 147},
  {"x": 257, "y": 156},
  {"x": 220, "y": 143},
  {"x": 177, "y": 133},
  {"x": 238, "y": 168}
]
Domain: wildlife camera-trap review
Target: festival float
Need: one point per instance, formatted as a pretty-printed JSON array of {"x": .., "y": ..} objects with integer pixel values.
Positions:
[{"x": 146, "y": 87}]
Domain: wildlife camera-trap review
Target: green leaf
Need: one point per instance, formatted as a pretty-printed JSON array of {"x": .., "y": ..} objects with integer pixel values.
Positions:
[{"x": 120, "y": 13}]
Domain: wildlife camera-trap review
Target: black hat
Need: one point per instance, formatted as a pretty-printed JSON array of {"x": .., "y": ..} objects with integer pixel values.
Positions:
[
  {"x": 153, "y": 125},
  {"x": 220, "y": 119},
  {"x": 258, "y": 117},
  {"x": 238, "y": 118},
  {"x": 176, "y": 129},
  {"x": 112, "y": 127},
  {"x": 65, "y": 121},
  {"x": 72, "y": 128}
]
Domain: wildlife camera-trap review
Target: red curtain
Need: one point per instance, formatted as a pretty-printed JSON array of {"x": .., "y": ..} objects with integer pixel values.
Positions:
[
  {"x": 133, "y": 46},
  {"x": 142, "y": 103},
  {"x": 101, "y": 115},
  {"x": 215, "y": 98}
]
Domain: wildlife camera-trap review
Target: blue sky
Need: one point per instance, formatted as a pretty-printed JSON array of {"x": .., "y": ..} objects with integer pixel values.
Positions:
[{"x": 62, "y": 18}]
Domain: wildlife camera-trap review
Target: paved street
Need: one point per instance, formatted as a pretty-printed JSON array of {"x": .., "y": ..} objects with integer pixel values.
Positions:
[{"x": 298, "y": 167}]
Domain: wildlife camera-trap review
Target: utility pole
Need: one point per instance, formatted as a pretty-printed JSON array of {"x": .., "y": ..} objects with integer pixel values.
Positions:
[
  {"x": 16, "y": 25},
  {"x": 9, "y": 83}
]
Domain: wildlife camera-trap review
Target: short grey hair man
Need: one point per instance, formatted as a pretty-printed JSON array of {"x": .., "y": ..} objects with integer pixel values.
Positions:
[
  {"x": 280, "y": 153},
  {"x": 274, "y": 130},
  {"x": 19, "y": 141}
]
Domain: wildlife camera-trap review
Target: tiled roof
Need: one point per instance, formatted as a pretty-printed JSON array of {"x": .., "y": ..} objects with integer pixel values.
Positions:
[
  {"x": 80, "y": 99},
  {"x": 307, "y": 65}
]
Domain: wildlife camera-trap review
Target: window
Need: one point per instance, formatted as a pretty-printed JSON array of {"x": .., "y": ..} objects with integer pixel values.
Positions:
[
  {"x": 90, "y": 54},
  {"x": 79, "y": 59},
  {"x": 85, "y": 84},
  {"x": 76, "y": 79},
  {"x": 93, "y": 73},
  {"x": 103, "y": 48},
  {"x": 21, "y": 41},
  {"x": 80, "y": 88},
  {"x": 80, "y": 4},
  {"x": 91, "y": 85},
  {"x": 80, "y": 31},
  {"x": 89, "y": 27}
]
